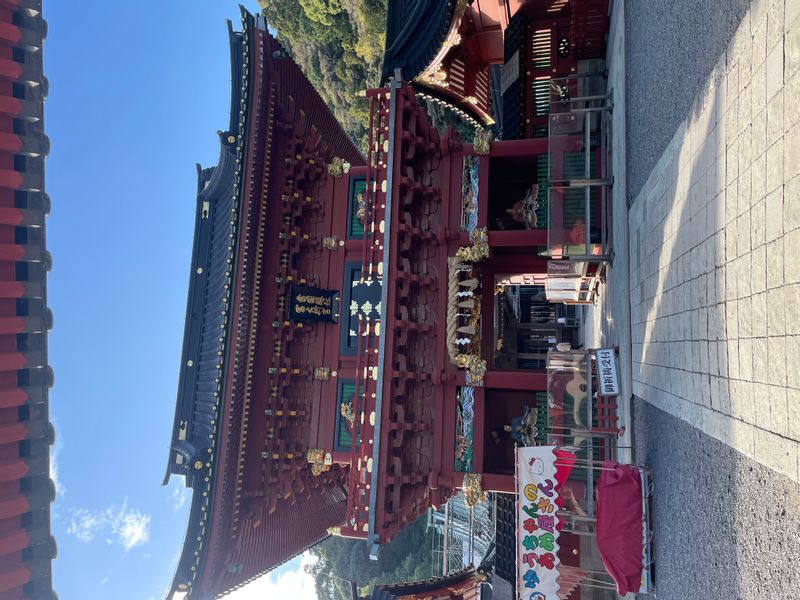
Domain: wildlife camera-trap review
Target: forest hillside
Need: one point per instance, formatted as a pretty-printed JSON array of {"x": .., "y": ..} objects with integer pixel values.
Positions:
[{"x": 339, "y": 46}]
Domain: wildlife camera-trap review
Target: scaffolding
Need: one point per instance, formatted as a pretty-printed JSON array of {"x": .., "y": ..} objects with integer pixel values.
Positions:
[{"x": 462, "y": 536}]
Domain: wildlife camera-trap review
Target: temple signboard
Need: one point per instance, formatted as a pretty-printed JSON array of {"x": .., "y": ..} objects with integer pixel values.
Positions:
[
  {"x": 607, "y": 372},
  {"x": 312, "y": 304}
]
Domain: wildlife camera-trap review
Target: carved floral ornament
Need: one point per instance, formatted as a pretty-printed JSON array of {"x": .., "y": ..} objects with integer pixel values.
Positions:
[
  {"x": 319, "y": 460},
  {"x": 346, "y": 410},
  {"x": 479, "y": 249},
  {"x": 322, "y": 373},
  {"x": 361, "y": 212},
  {"x": 473, "y": 490},
  {"x": 482, "y": 143},
  {"x": 338, "y": 166},
  {"x": 475, "y": 368}
]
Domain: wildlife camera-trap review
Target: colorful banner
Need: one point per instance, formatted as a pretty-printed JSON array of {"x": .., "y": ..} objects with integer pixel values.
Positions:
[
  {"x": 312, "y": 304},
  {"x": 537, "y": 524}
]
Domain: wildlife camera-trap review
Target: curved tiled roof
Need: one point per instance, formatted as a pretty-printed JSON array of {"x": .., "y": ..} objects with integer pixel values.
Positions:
[
  {"x": 415, "y": 31},
  {"x": 222, "y": 549}
]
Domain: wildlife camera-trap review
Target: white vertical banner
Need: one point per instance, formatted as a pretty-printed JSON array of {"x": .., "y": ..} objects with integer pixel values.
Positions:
[{"x": 537, "y": 524}]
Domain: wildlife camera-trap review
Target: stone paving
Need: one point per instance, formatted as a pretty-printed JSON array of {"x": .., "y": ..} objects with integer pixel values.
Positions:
[
  {"x": 715, "y": 251},
  {"x": 608, "y": 323}
]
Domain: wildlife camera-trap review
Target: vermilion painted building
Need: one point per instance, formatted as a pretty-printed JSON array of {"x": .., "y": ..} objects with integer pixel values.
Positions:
[
  {"x": 359, "y": 329},
  {"x": 26, "y": 491},
  {"x": 258, "y": 383}
]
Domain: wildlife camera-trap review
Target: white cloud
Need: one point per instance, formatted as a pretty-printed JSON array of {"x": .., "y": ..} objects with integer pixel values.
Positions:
[
  {"x": 128, "y": 527},
  {"x": 55, "y": 452},
  {"x": 132, "y": 528},
  {"x": 179, "y": 495},
  {"x": 294, "y": 583},
  {"x": 85, "y": 524}
]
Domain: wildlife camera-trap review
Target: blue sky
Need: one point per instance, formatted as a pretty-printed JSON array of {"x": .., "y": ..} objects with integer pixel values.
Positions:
[{"x": 137, "y": 92}]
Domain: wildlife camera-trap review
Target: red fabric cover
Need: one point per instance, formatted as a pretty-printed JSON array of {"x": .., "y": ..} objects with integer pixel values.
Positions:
[
  {"x": 565, "y": 460},
  {"x": 619, "y": 524}
]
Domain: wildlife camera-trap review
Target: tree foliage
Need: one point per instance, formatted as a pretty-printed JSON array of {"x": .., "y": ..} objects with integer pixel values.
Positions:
[
  {"x": 339, "y": 46},
  {"x": 340, "y": 560}
]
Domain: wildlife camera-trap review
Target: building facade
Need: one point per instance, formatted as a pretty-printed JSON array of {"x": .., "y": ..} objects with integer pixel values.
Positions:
[
  {"x": 27, "y": 547},
  {"x": 366, "y": 334}
]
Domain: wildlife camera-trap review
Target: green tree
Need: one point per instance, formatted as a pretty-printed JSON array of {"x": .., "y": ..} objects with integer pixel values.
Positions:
[
  {"x": 339, "y": 46},
  {"x": 406, "y": 558}
]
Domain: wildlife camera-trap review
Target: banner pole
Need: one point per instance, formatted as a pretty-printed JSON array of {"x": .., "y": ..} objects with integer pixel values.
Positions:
[{"x": 516, "y": 518}]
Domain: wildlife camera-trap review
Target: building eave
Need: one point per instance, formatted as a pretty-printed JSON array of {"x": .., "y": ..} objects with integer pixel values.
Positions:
[
  {"x": 224, "y": 187},
  {"x": 415, "y": 34}
]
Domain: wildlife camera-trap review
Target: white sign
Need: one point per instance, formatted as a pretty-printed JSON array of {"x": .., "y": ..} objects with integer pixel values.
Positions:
[
  {"x": 537, "y": 524},
  {"x": 509, "y": 73},
  {"x": 607, "y": 372}
]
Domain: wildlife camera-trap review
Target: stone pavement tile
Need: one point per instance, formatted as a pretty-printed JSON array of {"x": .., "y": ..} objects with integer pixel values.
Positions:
[
  {"x": 744, "y": 279},
  {"x": 744, "y": 185},
  {"x": 774, "y": 214},
  {"x": 774, "y": 167},
  {"x": 743, "y": 233},
  {"x": 793, "y": 362},
  {"x": 778, "y": 410},
  {"x": 776, "y": 312},
  {"x": 741, "y": 436},
  {"x": 791, "y": 156},
  {"x": 758, "y": 175},
  {"x": 758, "y": 270},
  {"x": 791, "y": 110},
  {"x": 759, "y": 320},
  {"x": 713, "y": 359},
  {"x": 791, "y": 12},
  {"x": 761, "y": 405},
  {"x": 775, "y": 115},
  {"x": 791, "y": 51},
  {"x": 758, "y": 17},
  {"x": 658, "y": 398},
  {"x": 744, "y": 310},
  {"x": 760, "y": 360},
  {"x": 732, "y": 320},
  {"x": 691, "y": 412},
  {"x": 758, "y": 92},
  {"x": 791, "y": 202},
  {"x": 776, "y": 349},
  {"x": 792, "y": 309},
  {"x": 791, "y": 265},
  {"x": 793, "y": 408},
  {"x": 731, "y": 236},
  {"x": 745, "y": 121},
  {"x": 775, "y": 264},
  {"x": 722, "y": 355},
  {"x": 742, "y": 402},
  {"x": 775, "y": 20},
  {"x": 775, "y": 69},
  {"x": 722, "y": 358},
  {"x": 778, "y": 453},
  {"x": 711, "y": 299},
  {"x": 759, "y": 134},
  {"x": 746, "y": 359},
  {"x": 715, "y": 400}
]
